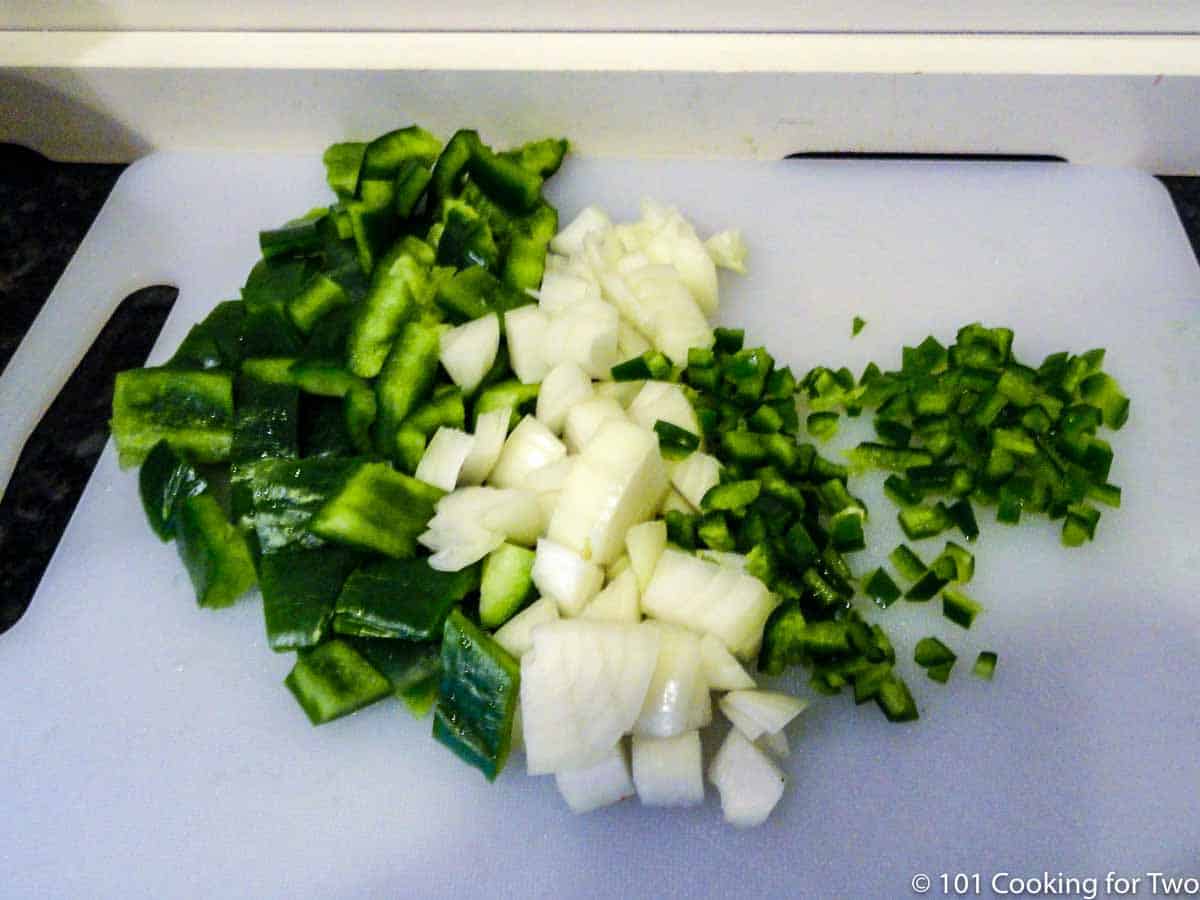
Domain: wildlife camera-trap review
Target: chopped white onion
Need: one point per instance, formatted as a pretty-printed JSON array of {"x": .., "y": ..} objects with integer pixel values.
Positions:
[
  {"x": 695, "y": 475},
  {"x": 564, "y": 386},
  {"x": 721, "y": 670},
  {"x": 668, "y": 771},
  {"x": 694, "y": 593},
  {"x": 630, "y": 341},
  {"x": 514, "y": 514},
  {"x": 618, "y": 482},
  {"x": 673, "y": 240},
  {"x": 618, "y": 602},
  {"x": 570, "y": 240},
  {"x": 563, "y": 575},
  {"x": 601, "y": 784},
  {"x": 667, "y": 311},
  {"x": 666, "y": 402},
  {"x": 667, "y": 708},
  {"x": 675, "y": 502},
  {"x": 617, "y": 566},
  {"x": 562, "y": 290},
  {"x": 761, "y": 712},
  {"x": 491, "y": 429},
  {"x": 728, "y": 250},
  {"x": 735, "y": 561},
  {"x": 749, "y": 782},
  {"x": 645, "y": 543},
  {"x": 444, "y": 457},
  {"x": 547, "y": 483},
  {"x": 468, "y": 351},
  {"x": 582, "y": 686},
  {"x": 455, "y": 551},
  {"x": 530, "y": 447},
  {"x": 516, "y": 635},
  {"x": 700, "y": 712},
  {"x": 525, "y": 329},
  {"x": 621, "y": 391},
  {"x": 585, "y": 334},
  {"x": 776, "y": 744},
  {"x": 585, "y": 419}
]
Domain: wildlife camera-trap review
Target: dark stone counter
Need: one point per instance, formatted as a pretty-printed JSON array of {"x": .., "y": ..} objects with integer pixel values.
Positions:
[{"x": 45, "y": 210}]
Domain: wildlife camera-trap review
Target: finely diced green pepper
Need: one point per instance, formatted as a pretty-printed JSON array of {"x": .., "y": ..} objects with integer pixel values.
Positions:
[
  {"x": 651, "y": 365},
  {"x": 731, "y": 496},
  {"x": 675, "y": 443},
  {"x": 746, "y": 372},
  {"x": 846, "y": 529},
  {"x": 881, "y": 588},
  {"x": 926, "y": 587},
  {"x": 465, "y": 238},
  {"x": 985, "y": 665},
  {"x": 781, "y": 645},
  {"x": 959, "y": 608},
  {"x": 932, "y": 652},
  {"x": 963, "y": 516},
  {"x": 961, "y": 563},
  {"x": 869, "y": 455},
  {"x": 728, "y": 340},
  {"x": 921, "y": 522},
  {"x": 1103, "y": 391},
  {"x": 681, "y": 529},
  {"x": 713, "y": 531},
  {"x": 901, "y": 491},
  {"x": 907, "y": 563},
  {"x": 893, "y": 697}
]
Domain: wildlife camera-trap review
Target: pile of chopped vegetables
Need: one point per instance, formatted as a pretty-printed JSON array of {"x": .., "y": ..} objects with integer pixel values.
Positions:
[{"x": 491, "y": 466}]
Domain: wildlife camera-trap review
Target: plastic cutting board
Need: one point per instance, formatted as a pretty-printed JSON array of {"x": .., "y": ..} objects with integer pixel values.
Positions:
[{"x": 149, "y": 749}]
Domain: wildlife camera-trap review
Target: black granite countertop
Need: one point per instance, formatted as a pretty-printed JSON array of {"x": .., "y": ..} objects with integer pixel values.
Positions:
[{"x": 45, "y": 210}]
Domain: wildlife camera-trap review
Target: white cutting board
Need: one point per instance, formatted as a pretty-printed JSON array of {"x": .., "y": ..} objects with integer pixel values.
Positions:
[{"x": 149, "y": 749}]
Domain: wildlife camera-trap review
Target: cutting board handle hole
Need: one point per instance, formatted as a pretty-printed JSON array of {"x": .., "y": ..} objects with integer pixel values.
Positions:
[
  {"x": 933, "y": 157},
  {"x": 67, "y": 442}
]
